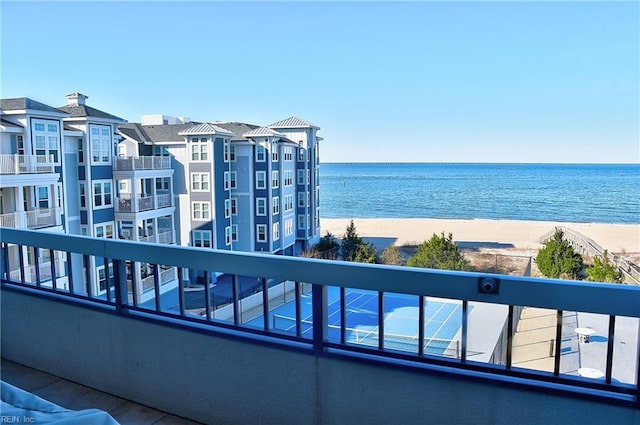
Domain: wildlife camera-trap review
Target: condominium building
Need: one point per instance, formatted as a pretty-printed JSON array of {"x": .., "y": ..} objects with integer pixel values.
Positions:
[
  {"x": 239, "y": 186},
  {"x": 60, "y": 172},
  {"x": 223, "y": 185}
]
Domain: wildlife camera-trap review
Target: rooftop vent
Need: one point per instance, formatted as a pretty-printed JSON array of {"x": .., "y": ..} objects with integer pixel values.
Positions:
[{"x": 76, "y": 98}]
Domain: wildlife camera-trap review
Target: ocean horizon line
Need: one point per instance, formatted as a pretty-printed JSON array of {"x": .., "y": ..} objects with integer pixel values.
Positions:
[
  {"x": 561, "y": 222},
  {"x": 478, "y": 163}
]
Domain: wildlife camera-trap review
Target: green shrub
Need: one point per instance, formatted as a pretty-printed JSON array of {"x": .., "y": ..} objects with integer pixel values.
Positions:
[
  {"x": 602, "y": 270},
  {"x": 439, "y": 252},
  {"x": 557, "y": 259}
]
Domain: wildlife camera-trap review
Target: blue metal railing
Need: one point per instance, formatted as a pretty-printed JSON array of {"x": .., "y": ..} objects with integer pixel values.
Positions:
[{"x": 470, "y": 290}]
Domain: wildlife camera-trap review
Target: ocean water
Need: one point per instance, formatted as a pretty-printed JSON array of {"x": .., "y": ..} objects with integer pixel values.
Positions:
[{"x": 584, "y": 193}]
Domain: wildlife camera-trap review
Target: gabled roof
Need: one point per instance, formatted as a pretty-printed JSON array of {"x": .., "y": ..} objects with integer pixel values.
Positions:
[
  {"x": 154, "y": 133},
  {"x": 204, "y": 129},
  {"x": 263, "y": 132},
  {"x": 293, "y": 122},
  {"x": 23, "y": 103},
  {"x": 237, "y": 128},
  {"x": 87, "y": 111}
]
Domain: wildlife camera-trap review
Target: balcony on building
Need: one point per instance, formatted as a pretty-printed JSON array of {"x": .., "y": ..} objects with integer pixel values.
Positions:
[
  {"x": 15, "y": 164},
  {"x": 141, "y": 163},
  {"x": 134, "y": 203},
  {"x": 38, "y": 218},
  {"x": 295, "y": 340}
]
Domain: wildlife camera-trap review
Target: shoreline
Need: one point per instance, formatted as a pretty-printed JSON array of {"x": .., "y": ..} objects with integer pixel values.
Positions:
[{"x": 483, "y": 234}]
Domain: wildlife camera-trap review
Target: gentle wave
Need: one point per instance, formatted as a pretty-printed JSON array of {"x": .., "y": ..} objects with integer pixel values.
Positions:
[{"x": 588, "y": 193}]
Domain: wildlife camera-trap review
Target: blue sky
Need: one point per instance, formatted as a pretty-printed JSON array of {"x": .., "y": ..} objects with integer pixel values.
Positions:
[{"x": 416, "y": 81}]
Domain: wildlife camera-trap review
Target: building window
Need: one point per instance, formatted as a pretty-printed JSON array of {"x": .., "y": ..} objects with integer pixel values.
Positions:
[
  {"x": 199, "y": 149},
  {"x": 227, "y": 235},
  {"x": 234, "y": 206},
  {"x": 301, "y": 222},
  {"x": 301, "y": 198},
  {"x": 100, "y": 142},
  {"x": 80, "y": 151},
  {"x": 230, "y": 181},
  {"x": 47, "y": 140},
  {"x": 43, "y": 197},
  {"x": 201, "y": 238},
  {"x": 288, "y": 178},
  {"x": 275, "y": 180},
  {"x": 102, "y": 194},
  {"x": 200, "y": 210},
  {"x": 300, "y": 154},
  {"x": 274, "y": 153},
  {"x": 83, "y": 195},
  {"x": 233, "y": 181},
  {"x": 276, "y": 231},
  {"x": 227, "y": 208},
  {"x": 164, "y": 183},
  {"x": 200, "y": 182},
  {"x": 59, "y": 195},
  {"x": 288, "y": 203},
  {"x": 261, "y": 180},
  {"x": 234, "y": 233},
  {"x": 226, "y": 151},
  {"x": 300, "y": 176},
  {"x": 288, "y": 227},
  {"x": 261, "y": 154},
  {"x": 261, "y": 206},
  {"x": 103, "y": 278},
  {"x": 276, "y": 205},
  {"x": 288, "y": 153},
  {"x": 261, "y": 231},
  {"x": 104, "y": 230}
]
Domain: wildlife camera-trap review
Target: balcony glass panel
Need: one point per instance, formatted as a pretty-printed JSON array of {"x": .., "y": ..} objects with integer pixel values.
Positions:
[{"x": 625, "y": 350}]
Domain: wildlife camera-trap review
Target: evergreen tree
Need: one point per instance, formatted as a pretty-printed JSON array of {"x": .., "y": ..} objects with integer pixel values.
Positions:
[
  {"x": 439, "y": 252},
  {"x": 602, "y": 270},
  {"x": 350, "y": 242},
  {"x": 354, "y": 248},
  {"x": 327, "y": 248},
  {"x": 557, "y": 259}
]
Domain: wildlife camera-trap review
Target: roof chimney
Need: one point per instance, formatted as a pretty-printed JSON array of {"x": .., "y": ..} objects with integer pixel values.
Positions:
[{"x": 76, "y": 98}]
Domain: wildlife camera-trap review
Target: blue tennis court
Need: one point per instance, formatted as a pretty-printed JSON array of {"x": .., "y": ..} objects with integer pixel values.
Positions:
[{"x": 443, "y": 320}]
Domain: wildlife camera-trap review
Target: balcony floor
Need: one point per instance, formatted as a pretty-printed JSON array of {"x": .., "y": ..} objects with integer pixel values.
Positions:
[{"x": 78, "y": 397}]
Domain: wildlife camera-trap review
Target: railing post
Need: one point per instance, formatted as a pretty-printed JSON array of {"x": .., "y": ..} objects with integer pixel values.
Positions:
[
  {"x": 380, "y": 320},
  {"x": 509, "y": 336},
  {"x": 120, "y": 282},
  {"x": 558, "y": 343},
  {"x": 156, "y": 285},
  {"x": 52, "y": 264},
  {"x": 465, "y": 326},
  {"x": 319, "y": 308}
]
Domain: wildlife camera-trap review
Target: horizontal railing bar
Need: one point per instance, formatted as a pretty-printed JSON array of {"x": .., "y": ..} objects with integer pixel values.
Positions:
[{"x": 610, "y": 299}]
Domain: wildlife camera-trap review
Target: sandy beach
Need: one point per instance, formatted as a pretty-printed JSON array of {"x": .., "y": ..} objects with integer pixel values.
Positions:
[{"x": 485, "y": 234}]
